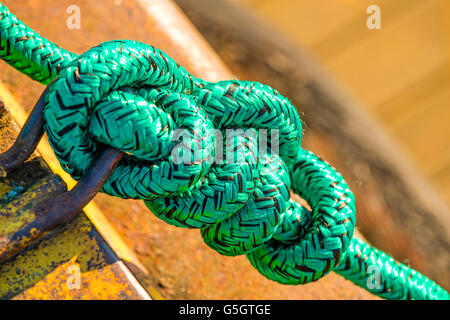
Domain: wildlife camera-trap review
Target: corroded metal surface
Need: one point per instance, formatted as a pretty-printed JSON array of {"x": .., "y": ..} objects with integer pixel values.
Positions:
[
  {"x": 20, "y": 224},
  {"x": 45, "y": 269},
  {"x": 46, "y": 205},
  {"x": 179, "y": 264}
]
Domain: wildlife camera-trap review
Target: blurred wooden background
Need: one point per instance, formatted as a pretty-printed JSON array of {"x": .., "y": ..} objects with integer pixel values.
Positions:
[{"x": 400, "y": 73}]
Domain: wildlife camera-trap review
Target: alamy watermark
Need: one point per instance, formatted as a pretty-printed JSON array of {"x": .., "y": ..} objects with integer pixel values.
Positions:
[
  {"x": 74, "y": 280},
  {"x": 374, "y": 279},
  {"x": 374, "y": 20},
  {"x": 231, "y": 146},
  {"x": 73, "y": 21}
]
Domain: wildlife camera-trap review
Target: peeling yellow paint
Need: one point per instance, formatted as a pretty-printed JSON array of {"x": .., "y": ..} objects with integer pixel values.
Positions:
[
  {"x": 41, "y": 272},
  {"x": 17, "y": 213},
  {"x": 11, "y": 223},
  {"x": 106, "y": 285},
  {"x": 4, "y": 188},
  {"x": 33, "y": 265}
]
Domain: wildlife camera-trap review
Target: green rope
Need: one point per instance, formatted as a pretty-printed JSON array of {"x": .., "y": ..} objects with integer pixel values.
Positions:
[{"x": 134, "y": 97}]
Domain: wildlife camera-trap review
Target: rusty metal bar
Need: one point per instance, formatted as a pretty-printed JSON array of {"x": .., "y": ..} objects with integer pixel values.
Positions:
[
  {"x": 65, "y": 206},
  {"x": 53, "y": 211},
  {"x": 61, "y": 208},
  {"x": 27, "y": 140}
]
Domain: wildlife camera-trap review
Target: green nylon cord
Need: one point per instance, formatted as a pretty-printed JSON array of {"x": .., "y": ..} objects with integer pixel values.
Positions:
[{"x": 134, "y": 97}]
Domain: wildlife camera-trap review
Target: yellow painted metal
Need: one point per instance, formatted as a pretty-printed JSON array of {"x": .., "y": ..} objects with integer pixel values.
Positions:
[{"x": 49, "y": 270}]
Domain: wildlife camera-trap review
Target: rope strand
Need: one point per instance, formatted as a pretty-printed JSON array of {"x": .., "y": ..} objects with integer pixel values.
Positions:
[{"x": 134, "y": 97}]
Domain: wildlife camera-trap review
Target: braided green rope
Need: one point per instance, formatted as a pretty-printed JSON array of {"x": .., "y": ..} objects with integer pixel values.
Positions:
[{"x": 134, "y": 97}]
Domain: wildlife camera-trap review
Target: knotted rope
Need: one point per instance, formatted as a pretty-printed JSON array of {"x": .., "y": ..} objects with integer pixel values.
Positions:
[{"x": 133, "y": 97}]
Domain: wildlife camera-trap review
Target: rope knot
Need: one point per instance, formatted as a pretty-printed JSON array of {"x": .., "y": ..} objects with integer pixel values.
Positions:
[{"x": 193, "y": 153}]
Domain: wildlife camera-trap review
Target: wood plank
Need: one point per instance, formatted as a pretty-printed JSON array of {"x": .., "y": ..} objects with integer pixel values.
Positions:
[
  {"x": 394, "y": 72},
  {"x": 418, "y": 117},
  {"x": 425, "y": 133},
  {"x": 350, "y": 34},
  {"x": 309, "y": 22},
  {"x": 379, "y": 67},
  {"x": 415, "y": 96}
]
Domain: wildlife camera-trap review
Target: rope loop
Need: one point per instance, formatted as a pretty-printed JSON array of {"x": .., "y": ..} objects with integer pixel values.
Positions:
[
  {"x": 134, "y": 97},
  {"x": 216, "y": 156},
  {"x": 256, "y": 222},
  {"x": 88, "y": 103},
  {"x": 310, "y": 244},
  {"x": 240, "y": 104}
]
